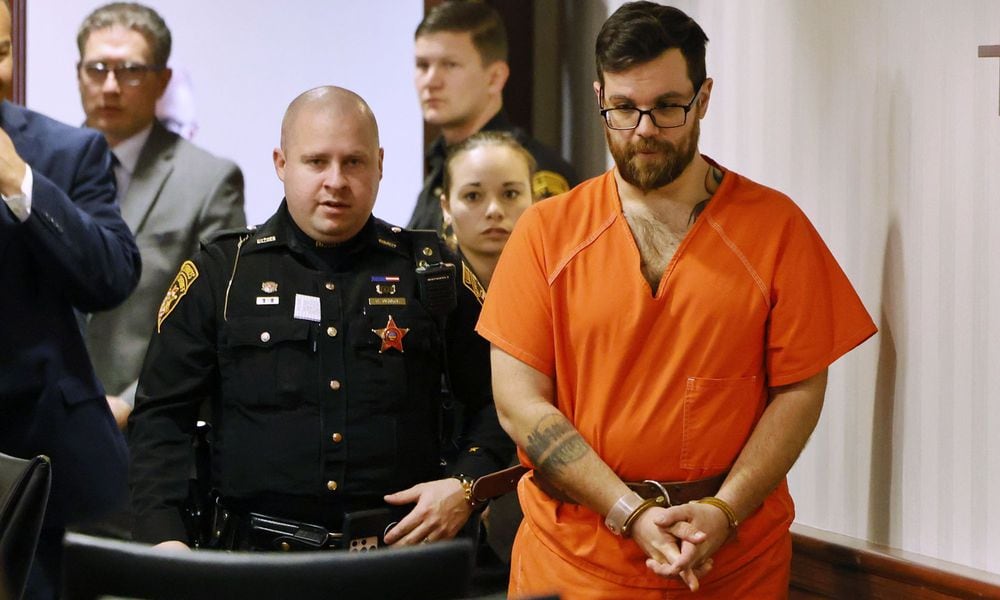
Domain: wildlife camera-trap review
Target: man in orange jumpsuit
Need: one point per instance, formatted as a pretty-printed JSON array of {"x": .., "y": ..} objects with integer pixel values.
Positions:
[{"x": 661, "y": 336}]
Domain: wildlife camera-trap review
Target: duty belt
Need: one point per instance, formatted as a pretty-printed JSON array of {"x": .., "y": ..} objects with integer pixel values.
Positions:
[{"x": 234, "y": 530}]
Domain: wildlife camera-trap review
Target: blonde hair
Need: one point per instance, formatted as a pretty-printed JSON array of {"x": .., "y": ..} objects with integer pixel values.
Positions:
[
  {"x": 502, "y": 139},
  {"x": 479, "y": 140}
]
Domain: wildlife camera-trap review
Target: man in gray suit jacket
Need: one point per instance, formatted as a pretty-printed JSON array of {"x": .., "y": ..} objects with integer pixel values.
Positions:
[{"x": 172, "y": 193}]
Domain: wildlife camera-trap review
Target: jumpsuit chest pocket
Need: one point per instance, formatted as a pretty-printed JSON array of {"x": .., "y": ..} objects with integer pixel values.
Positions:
[{"x": 267, "y": 362}]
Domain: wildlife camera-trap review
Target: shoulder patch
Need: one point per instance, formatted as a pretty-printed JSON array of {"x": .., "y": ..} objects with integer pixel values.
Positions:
[
  {"x": 470, "y": 281},
  {"x": 548, "y": 183},
  {"x": 180, "y": 286}
]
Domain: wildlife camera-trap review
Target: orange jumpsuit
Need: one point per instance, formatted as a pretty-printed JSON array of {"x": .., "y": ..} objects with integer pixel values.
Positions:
[{"x": 665, "y": 386}]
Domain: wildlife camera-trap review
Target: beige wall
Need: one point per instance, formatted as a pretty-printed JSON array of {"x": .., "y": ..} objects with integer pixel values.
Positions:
[{"x": 880, "y": 120}]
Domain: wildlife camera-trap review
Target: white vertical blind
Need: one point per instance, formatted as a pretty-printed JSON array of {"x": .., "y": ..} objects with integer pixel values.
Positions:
[{"x": 881, "y": 121}]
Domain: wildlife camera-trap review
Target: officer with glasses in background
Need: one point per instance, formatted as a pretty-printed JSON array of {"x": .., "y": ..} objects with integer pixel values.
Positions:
[{"x": 172, "y": 193}]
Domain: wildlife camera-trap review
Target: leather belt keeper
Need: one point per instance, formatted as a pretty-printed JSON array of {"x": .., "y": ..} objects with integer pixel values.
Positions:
[{"x": 674, "y": 492}]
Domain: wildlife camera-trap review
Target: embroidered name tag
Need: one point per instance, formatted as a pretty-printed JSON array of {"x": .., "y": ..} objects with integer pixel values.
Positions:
[
  {"x": 267, "y": 300},
  {"x": 386, "y": 301}
]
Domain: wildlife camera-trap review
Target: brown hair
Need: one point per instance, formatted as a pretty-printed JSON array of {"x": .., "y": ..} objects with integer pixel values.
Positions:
[
  {"x": 133, "y": 16},
  {"x": 478, "y": 19},
  {"x": 638, "y": 32}
]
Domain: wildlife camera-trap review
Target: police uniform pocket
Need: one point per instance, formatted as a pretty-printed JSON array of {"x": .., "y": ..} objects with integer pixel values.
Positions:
[
  {"x": 397, "y": 354},
  {"x": 267, "y": 362},
  {"x": 718, "y": 417}
]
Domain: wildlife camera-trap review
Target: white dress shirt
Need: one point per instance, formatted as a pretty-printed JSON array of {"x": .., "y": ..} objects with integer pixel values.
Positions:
[{"x": 20, "y": 204}]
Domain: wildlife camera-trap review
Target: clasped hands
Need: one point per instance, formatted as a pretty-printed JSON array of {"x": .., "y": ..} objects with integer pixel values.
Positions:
[{"x": 681, "y": 540}]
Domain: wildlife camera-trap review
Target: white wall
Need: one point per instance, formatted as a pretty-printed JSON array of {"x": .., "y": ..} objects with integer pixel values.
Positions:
[
  {"x": 880, "y": 120},
  {"x": 247, "y": 61}
]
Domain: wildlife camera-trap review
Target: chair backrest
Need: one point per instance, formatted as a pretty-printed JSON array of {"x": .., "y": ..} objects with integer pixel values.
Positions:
[
  {"x": 95, "y": 567},
  {"x": 24, "y": 492}
]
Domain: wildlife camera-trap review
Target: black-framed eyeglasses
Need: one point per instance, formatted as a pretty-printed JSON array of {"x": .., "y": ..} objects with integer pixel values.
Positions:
[
  {"x": 129, "y": 73},
  {"x": 664, "y": 117}
]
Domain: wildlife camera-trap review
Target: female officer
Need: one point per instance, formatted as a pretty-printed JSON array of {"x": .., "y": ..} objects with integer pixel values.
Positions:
[{"x": 487, "y": 185}]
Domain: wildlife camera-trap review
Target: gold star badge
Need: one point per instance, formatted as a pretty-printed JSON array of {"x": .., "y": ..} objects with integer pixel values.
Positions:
[{"x": 391, "y": 336}]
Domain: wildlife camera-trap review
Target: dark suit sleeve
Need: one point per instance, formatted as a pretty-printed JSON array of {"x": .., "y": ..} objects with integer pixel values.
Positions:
[
  {"x": 79, "y": 235},
  {"x": 484, "y": 447}
]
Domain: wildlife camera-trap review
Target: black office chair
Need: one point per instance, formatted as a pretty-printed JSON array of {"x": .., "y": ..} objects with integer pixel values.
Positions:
[
  {"x": 24, "y": 492},
  {"x": 96, "y": 567}
]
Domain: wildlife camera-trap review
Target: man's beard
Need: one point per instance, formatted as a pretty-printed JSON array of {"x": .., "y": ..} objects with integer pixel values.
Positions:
[{"x": 664, "y": 170}]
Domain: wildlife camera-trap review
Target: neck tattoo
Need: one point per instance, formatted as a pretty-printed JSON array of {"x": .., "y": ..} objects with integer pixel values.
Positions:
[{"x": 713, "y": 177}]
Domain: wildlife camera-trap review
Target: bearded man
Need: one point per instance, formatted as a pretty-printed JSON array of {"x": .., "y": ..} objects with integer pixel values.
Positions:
[{"x": 661, "y": 337}]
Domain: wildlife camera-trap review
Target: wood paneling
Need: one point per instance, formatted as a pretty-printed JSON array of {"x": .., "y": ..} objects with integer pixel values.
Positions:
[
  {"x": 829, "y": 565},
  {"x": 19, "y": 38}
]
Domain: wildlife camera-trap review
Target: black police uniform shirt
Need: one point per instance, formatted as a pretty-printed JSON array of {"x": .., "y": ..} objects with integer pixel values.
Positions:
[
  {"x": 322, "y": 369},
  {"x": 553, "y": 175}
]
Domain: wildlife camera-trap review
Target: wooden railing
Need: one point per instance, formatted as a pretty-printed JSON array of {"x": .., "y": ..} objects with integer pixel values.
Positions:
[{"x": 829, "y": 565}]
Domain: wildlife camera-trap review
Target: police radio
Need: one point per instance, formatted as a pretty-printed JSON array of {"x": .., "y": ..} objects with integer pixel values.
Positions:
[{"x": 437, "y": 288}]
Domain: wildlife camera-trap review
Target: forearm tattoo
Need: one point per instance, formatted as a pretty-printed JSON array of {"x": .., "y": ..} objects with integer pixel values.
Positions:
[{"x": 554, "y": 444}]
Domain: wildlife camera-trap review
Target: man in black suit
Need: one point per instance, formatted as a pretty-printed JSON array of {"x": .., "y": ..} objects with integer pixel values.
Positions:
[{"x": 63, "y": 246}]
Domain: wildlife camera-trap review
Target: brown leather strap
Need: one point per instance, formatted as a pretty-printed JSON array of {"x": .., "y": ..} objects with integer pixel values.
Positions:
[
  {"x": 498, "y": 483},
  {"x": 677, "y": 492}
]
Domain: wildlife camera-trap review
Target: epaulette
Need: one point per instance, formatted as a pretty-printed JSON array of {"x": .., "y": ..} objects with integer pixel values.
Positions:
[
  {"x": 388, "y": 235},
  {"x": 222, "y": 234},
  {"x": 435, "y": 278},
  {"x": 426, "y": 245}
]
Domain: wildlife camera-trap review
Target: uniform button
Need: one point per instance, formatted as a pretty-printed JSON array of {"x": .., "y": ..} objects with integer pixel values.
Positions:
[
  {"x": 334, "y": 384},
  {"x": 427, "y": 251},
  {"x": 331, "y": 331},
  {"x": 330, "y": 286},
  {"x": 331, "y": 485},
  {"x": 265, "y": 337},
  {"x": 286, "y": 546},
  {"x": 336, "y": 438}
]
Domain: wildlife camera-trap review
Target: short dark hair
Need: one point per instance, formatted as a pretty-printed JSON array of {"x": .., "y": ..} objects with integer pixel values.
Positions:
[
  {"x": 638, "y": 32},
  {"x": 129, "y": 15},
  {"x": 474, "y": 17}
]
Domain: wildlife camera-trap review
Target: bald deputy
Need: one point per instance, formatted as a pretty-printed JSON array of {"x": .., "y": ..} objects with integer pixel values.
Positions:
[{"x": 316, "y": 343}]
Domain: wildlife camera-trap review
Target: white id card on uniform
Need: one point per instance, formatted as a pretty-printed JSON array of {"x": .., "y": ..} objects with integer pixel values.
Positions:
[{"x": 307, "y": 308}]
